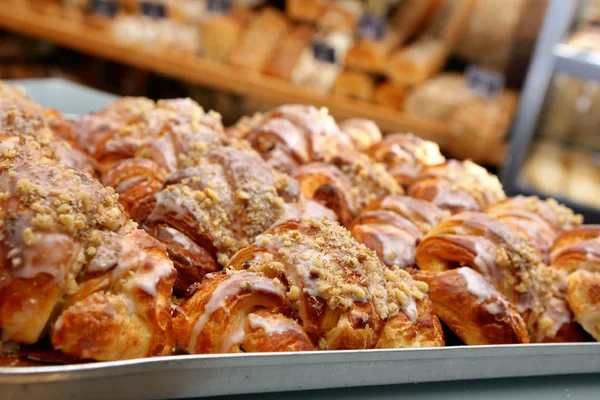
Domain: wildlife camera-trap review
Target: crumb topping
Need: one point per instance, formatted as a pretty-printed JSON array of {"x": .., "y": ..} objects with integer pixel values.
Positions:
[{"x": 326, "y": 262}]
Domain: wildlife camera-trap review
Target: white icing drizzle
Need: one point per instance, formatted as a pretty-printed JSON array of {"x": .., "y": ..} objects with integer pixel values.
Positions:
[
  {"x": 485, "y": 258},
  {"x": 236, "y": 337},
  {"x": 225, "y": 290},
  {"x": 398, "y": 246},
  {"x": 179, "y": 238},
  {"x": 54, "y": 248},
  {"x": 410, "y": 309},
  {"x": 494, "y": 308},
  {"x": 270, "y": 324},
  {"x": 147, "y": 271},
  {"x": 476, "y": 285}
]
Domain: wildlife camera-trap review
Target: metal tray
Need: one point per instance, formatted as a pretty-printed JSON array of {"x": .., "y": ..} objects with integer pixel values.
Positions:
[{"x": 210, "y": 375}]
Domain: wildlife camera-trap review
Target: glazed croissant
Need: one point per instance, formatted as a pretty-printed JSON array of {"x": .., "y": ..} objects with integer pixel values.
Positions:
[
  {"x": 346, "y": 184},
  {"x": 340, "y": 294},
  {"x": 216, "y": 206},
  {"x": 394, "y": 225},
  {"x": 577, "y": 254},
  {"x": 364, "y": 133},
  {"x": 60, "y": 127},
  {"x": 138, "y": 126},
  {"x": 21, "y": 119},
  {"x": 541, "y": 221},
  {"x": 405, "y": 155},
  {"x": 472, "y": 308},
  {"x": 72, "y": 266},
  {"x": 504, "y": 259},
  {"x": 457, "y": 186},
  {"x": 94, "y": 128},
  {"x": 292, "y": 135}
]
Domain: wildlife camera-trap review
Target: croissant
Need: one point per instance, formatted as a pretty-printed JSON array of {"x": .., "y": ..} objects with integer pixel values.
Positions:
[
  {"x": 394, "y": 225},
  {"x": 404, "y": 155},
  {"x": 343, "y": 296},
  {"x": 93, "y": 128},
  {"x": 74, "y": 267},
  {"x": 583, "y": 294},
  {"x": 472, "y": 308},
  {"x": 457, "y": 186},
  {"x": 238, "y": 312},
  {"x": 346, "y": 184},
  {"x": 541, "y": 221},
  {"x": 578, "y": 248},
  {"x": 154, "y": 127},
  {"x": 293, "y": 135},
  {"x": 24, "y": 120},
  {"x": 56, "y": 122},
  {"x": 215, "y": 206},
  {"x": 504, "y": 258},
  {"x": 364, "y": 133}
]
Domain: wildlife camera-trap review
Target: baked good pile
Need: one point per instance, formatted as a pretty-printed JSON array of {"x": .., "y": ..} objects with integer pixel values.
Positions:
[{"x": 149, "y": 229}]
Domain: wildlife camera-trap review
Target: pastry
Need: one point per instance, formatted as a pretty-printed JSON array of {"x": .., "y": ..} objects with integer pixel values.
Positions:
[
  {"x": 340, "y": 294},
  {"x": 394, "y": 225},
  {"x": 259, "y": 40},
  {"x": 404, "y": 156},
  {"x": 457, "y": 186},
  {"x": 346, "y": 184},
  {"x": 354, "y": 84},
  {"x": 364, "y": 133}
]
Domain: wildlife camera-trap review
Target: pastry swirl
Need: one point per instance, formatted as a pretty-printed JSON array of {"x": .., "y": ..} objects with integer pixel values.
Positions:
[
  {"x": 346, "y": 184},
  {"x": 404, "y": 155},
  {"x": 457, "y": 186},
  {"x": 74, "y": 267}
]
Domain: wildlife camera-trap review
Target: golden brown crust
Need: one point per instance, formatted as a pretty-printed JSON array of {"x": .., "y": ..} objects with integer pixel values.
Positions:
[
  {"x": 457, "y": 186},
  {"x": 344, "y": 296},
  {"x": 26, "y": 120},
  {"x": 404, "y": 155},
  {"x": 92, "y": 129},
  {"x": 472, "y": 308},
  {"x": 135, "y": 180},
  {"x": 238, "y": 312},
  {"x": 303, "y": 133},
  {"x": 163, "y": 124},
  {"x": 576, "y": 249},
  {"x": 364, "y": 133},
  {"x": 502, "y": 256},
  {"x": 584, "y": 300},
  {"x": 393, "y": 226},
  {"x": 60, "y": 127},
  {"x": 541, "y": 221},
  {"x": 346, "y": 185},
  {"x": 59, "y": 275},
  {"x": 213, "y": 209}
]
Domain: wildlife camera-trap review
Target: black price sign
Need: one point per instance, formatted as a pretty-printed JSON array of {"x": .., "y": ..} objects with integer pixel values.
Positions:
[
  {"x": 371, "y": 26},
  {"x": 108, "y": 8},
  {"x": 323, "y": 52},
  {"x": 154, "y": 9},
  {"x": 219, "y": 6},
  {"x": 484, "y": 82}
]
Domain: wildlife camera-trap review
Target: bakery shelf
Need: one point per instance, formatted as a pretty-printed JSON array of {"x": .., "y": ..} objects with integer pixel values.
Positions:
[
  {"x": 85, "y": 38},
  {"x": 577, "y": 62}
]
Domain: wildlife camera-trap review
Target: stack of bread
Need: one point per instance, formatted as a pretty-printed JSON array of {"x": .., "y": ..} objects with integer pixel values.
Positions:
[
  {"x": 148, "y": 228},
  {"x": 384, "y": 52}
]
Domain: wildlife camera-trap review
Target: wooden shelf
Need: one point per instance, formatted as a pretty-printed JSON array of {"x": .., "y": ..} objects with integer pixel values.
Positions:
[{"x": 85, "y": 38}]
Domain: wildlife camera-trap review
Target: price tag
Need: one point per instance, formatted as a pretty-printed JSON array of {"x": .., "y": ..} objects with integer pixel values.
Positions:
[
  {"x": 219, "y": 6},
  {"x": 154, "y": 9},
  {"x": 484, "y": 82},
  {"x": 107, "y": 8},
  {"x": 323, "y": 52},
  {"x": 371, "y": 26}
]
